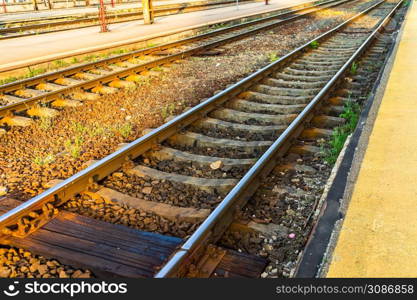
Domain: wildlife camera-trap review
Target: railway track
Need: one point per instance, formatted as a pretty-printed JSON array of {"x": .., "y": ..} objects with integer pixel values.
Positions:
[
  {"x": 202, "y": 167},
  {"x": 40, "y": 96},
  {"x": 20, "y": 28}
]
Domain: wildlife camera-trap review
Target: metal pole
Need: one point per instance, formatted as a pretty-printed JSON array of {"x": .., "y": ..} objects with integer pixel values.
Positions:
[
  {"x": 237, "y": 4},
  {"x": 102, "y": 15},
  {"x": 147, "y": 11},
  {"x": 266, "y": 2},
  {"x": 112, "y": 3},
  {"x": 4, "y": 6}
]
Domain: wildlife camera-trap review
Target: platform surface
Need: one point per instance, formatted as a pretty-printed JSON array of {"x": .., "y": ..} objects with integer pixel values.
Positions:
[
  {"x": 51, "y": 46},
  {"x": 379, "y": 233}
]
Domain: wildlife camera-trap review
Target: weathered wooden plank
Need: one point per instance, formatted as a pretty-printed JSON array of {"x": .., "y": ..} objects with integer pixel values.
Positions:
[{"x": 106, "y": 249}]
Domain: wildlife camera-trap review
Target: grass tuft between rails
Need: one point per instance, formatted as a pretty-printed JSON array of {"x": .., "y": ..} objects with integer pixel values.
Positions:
[{"x": 340, "y": 134}]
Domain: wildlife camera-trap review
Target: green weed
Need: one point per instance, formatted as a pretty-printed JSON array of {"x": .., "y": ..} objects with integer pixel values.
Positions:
[
  {"x": 90, "y": 57},
  {"x": 125, "y": 130},
  {"x": 79, "y": 128},
  {"x": 60, "y": 63},
  {"x": 96, "y": 131},
  {"x": 273, "y": 57},
  {"x": 74, "y": 147},
  {"x": 351, "y": 115},
  {"x": 157, "y": 69},
  {"x": 45, "y": 123},
  {"x": 35, "y": 72},
  {"x": 150, "y": 45},
  {"x": 218, "y": 26},
  {"x": 8, "y": 80},
  {"x": 119, "y": 51}
]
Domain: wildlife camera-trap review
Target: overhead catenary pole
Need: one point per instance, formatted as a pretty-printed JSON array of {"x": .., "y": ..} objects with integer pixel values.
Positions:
[
  {"x": 147, "y": 11},
  {"x": 102, "y": 16}
]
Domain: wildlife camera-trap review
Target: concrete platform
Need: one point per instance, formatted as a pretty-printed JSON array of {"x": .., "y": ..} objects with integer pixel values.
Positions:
[
  {"x": 38, "y": 48},
  {"x": 379, "y": 233}
]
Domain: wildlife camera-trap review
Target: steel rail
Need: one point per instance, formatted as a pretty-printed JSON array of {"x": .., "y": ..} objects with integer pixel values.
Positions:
[
  {"x": 218, "y": 221},
  {"x": 162, "y": 10},
  {"x": 99, "y": 170},
  {"x": 24, "y": 104}
]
